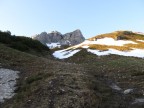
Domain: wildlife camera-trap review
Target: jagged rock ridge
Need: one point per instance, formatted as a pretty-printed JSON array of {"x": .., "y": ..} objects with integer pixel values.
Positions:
[{"x": 59, "y": 39}]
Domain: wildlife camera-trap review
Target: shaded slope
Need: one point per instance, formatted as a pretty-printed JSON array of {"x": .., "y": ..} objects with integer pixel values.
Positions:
[
  {"x": 46, "y": 83},
  {"x": 24, "y": 44},
  {"x": 120, "y": 73}
]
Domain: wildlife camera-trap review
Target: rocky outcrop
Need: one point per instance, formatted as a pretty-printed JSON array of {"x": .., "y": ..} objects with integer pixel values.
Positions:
[
  {"x": 68, "y": 39},
  {"x": 74, "y": 37},
  {"x": 7, "y": 83}
]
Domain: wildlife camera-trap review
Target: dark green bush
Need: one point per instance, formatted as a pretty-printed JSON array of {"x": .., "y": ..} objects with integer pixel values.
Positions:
[
  {"x": 127, "y": 32},
  {"x": 19, "y": 46},
  {"x": 21, "y": 43},
  {"x": 33, "y": 79}
]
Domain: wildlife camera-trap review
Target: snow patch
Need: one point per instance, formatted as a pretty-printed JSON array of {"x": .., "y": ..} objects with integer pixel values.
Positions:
[
  {"x": 85, "y": 47},
  {"x": 99, "y": 53},
  {"x": 111, "y": 41},
  {"x": 127, "y": 91},
  {"x": 132, "y": 53},
  {"x": 53, "y": 45},
  {"x": 62, "y": 54},
  {"x": 67, "y": 41},
  {"x": 138, "y": 100},
  {"x": 140, "y": 40},
  {"x": 103, "y": 41}
]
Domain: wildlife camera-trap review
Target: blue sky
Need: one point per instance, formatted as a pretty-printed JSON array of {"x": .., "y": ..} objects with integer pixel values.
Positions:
[{"x": 92, "y": 17}]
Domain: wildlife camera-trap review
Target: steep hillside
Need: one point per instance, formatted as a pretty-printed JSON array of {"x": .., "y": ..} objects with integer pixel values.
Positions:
[
  {"x": 124, "y": 43},
  {"x": 24, "y": 44}
]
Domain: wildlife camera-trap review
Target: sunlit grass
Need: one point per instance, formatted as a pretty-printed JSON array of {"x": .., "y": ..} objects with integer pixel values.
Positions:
[
  {"x": 106, "y": 47},
  {"x": 119, "y": 35},
  {"x": 123, "y": 35}
]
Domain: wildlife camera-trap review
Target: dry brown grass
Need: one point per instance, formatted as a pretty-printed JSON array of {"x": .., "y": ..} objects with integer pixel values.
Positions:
[
  {"x": 137, "y": 46},
  {"x": 106, "y": 47},
  {"x": 124, "y": 35}
]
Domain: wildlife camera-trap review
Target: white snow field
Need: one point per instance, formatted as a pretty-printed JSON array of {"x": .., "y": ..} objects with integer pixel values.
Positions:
[
  {"x": 133, "y": 53},
  {"x": 62, "y": 54},
  {"x": 103, "y": 41},
  {"x": 140, "y": 40},
  {"x": 66, "y": 53},
  {"x": 111, "y": 41},
  {"x": 53, "y": 45}
]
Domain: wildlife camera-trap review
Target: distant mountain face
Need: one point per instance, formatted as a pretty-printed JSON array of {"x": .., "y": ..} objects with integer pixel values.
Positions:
[
  {"x": 56, "y": 39},
  {"x": 125, "y": 43}
]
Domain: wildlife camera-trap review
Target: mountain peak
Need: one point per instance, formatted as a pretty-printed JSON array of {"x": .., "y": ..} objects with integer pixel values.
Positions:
[
  {"x": 56, "y": 32},
  {"x": 78, "y": 30},
  {"x": 55, "y": 38},
  {"x": 43, "y": 33}
]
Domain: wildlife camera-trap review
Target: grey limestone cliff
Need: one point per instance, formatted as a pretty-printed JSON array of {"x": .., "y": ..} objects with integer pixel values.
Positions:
[{"x": 68, "y": 39}]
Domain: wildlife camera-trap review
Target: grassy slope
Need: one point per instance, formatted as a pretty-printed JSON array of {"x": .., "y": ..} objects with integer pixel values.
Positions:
[
  {"x": 46, "y": 83},
  {"x": 81, "y": 81},
  {"x": 126, "y": 72},
  {"x": 123, "y": 35}
]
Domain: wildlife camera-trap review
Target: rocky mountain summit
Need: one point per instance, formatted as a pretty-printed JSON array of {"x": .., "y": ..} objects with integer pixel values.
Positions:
[{"x": 56, "y": 39}]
